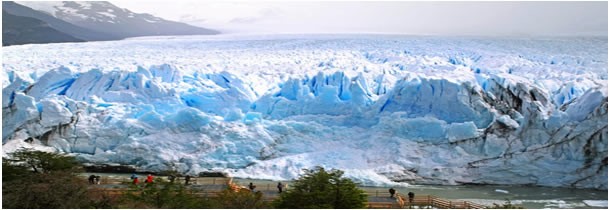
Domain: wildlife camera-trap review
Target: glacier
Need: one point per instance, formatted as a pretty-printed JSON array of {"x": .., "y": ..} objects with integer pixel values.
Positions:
[{"x": 386, "y": 109}]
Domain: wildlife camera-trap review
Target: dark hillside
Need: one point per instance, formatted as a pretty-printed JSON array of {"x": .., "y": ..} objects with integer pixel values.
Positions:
[
  {"x": 26, "y": 30},
  {"x": 58, "y": 24}
]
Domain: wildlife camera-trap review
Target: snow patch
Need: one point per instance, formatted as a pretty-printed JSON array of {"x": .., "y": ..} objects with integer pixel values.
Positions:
[{"x": 596, "y": 203}]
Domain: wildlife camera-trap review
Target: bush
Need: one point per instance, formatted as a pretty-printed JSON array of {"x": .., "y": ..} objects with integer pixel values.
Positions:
[
  {"x": 11, "y": 172},
  {"x": 36, "y": 179},
  {"x": 50, "y": 191},
  {"x": 319, "y": 188},
  {"x": 162, "y": 194},
  {"x": 240, "y": 199}
]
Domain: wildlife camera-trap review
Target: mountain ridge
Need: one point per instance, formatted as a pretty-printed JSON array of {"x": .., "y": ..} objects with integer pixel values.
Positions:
[
  {"x": 26, "y": 30},
  {"x": 119, "y": 22},
  {"x": 56, "y": 23},
  {"x": 92, "y": 21}
]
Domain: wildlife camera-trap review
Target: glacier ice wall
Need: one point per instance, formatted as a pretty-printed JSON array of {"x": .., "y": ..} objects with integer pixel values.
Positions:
[{"x": 385, "y": 109}]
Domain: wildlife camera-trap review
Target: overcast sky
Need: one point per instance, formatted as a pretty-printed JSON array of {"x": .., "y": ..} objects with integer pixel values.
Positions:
[{"x": 426, "y": 18}]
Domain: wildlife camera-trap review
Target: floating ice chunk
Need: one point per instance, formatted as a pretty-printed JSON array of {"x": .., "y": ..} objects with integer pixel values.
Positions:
[
  {"x": 501, "y": 191},
  {"x": 557, "y": 203},
  {"x": 596, "y": 203}
]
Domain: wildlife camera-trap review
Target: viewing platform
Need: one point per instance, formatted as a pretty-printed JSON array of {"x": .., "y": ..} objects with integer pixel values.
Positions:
[{"x": 212, "y": 186}]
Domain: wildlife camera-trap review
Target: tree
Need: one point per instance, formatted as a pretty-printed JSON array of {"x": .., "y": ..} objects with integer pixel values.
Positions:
[
  {"x": 42, "y": 162},
  {"x": 35, "y": 179},
  {"x": 319, "y": 188}
]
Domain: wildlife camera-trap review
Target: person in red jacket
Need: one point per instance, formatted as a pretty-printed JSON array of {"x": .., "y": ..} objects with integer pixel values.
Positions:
[
  {"x": 149, "y": 179},
  {"x": 135, "y": 180}
]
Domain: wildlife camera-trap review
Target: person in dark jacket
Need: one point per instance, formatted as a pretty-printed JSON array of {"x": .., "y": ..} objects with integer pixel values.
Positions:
[
  {"x": 392, "y": 192},
  {"x": 187, "y": 179},
  {"x": 411, "y": 196},
  {"x": 251, "y": 187},
  {"x": 92, "y": 179},
  {"x": 280, "y": 186}
]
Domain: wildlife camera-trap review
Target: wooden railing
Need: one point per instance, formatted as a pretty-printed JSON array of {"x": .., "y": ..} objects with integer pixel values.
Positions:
[
  {"x": 379, "y": 205},
  {"x": 436, "y": 202},
  {"x": 115, "y": 192},
  {"x": 420, "y": 201},
  {"x": 192, "y": 181},
  {"x": 400, "y": 201}
]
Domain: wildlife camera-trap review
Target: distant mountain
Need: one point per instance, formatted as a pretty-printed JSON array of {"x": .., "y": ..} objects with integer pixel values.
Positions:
[
  {"x": 26, "y": 30},
  {"x": 58, "y": 24},
  {"x": 106, "y": 17}
]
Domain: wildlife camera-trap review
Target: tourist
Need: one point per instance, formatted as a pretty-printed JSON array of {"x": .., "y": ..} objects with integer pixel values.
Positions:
[
  {"x": 251, "y": 187},
  {"x": 135, "y": 180},
  {"x": 187, "y": 179},
  {"x": 92, "y": 179},
  {"x": 149, "y": 179},
  {"x": 392, "y": 192},
  {"x": 411, "y": 196},
  {"x": 279, "y": 187}
]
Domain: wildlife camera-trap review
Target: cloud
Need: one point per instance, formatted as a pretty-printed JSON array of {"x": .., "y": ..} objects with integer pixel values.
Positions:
[
  {"x": 245, "y": 20},
  {"x": 263, "y": 15},
  {"x": 423, "y": 18},
  {"x": 190, "y": 18}
]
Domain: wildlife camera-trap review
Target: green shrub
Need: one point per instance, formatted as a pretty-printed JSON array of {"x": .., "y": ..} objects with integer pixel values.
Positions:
[
  {"x": 241, "y": 199},
  {"x": 36, "y": 179},
  {"x": 49, "y": 191},
  {"x": 319, "y": 188},
  {"x": 162, "y": 194}
]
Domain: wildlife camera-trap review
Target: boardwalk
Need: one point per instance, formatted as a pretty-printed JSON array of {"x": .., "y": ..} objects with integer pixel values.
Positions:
[
  {"x": 210, "y": 187},
  {"x": 440, "y": 203},
  {"x": 382, "y": 200}
]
